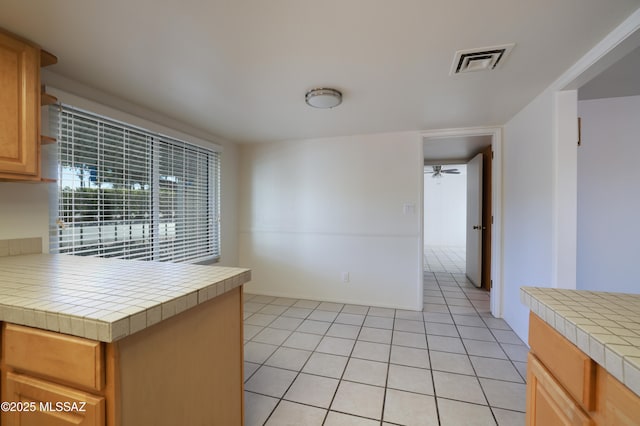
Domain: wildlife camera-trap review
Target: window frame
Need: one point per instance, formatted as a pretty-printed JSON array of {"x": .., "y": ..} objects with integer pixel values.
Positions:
[{"x": 158, "y": 135}]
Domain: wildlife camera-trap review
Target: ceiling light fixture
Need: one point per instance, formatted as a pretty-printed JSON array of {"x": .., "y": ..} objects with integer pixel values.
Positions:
[{"x": 323, "y": 98}]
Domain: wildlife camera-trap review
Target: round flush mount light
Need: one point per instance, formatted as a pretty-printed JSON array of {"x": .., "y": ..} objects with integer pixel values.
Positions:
[{"x": 323, "y": 98}]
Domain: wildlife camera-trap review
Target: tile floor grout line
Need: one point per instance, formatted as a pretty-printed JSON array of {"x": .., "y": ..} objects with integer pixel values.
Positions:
[
  {"x": 509, "y": 358},
  {"x": 368, "y": 359},
  {"x": 355, "y": 341},
  {"x": 305, "y": 363},
  {"x": 451, "y": 287},
  {"x": 433, "y": 379},
  {"x": 314, "y": 350},
  {"x": 467, "y": 355},
  {"x": 278, "y": 347},
  {"x": 386, "y": 380},
  {"x": 473, "y": 367},
  {"x": 340, "y": 380}
]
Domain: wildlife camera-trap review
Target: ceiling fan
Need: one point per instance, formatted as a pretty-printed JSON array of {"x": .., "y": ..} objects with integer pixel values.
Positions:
[{"x": 438, "y": 171}]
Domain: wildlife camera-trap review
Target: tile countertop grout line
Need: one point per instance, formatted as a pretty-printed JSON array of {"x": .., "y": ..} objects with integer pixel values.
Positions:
[
  {"x": 609, "y": 348},
  {"x": 53, "y": 288}
]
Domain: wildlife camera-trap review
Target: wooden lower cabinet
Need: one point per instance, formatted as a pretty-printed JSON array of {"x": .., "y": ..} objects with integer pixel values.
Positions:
[
  {"x": 618, "y": 405},
  {"x": 547, "y": 401},
  {"x": 58, "y": 357},
  {"x": 46, "y": 403},
  {"x": 185, "y": 370},
  {"x": 567, "y": 388}
]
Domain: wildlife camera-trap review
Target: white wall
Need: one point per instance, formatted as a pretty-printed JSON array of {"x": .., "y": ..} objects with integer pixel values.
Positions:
[
  {"x": 445, "y": 208},
  {"x": 609, "y": 195},
  {"x": 565, "y": 186},
  {"x": 540, "y": 183},
  {"x": 312, "y": 209},
  {"x": 24, "y": 208},
  {"x": 24, "y": 211},
  {"x": 528, "y": 203}
]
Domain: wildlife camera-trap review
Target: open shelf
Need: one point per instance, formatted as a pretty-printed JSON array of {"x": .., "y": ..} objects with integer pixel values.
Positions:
[
  {"x": 46, "y": 140},
  {"x": 47, "y": 99},
  {"x": 47, "y": 58}
]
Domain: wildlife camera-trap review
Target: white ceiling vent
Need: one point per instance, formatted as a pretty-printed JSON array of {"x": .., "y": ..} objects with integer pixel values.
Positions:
[{"x": 482, "y": 59}]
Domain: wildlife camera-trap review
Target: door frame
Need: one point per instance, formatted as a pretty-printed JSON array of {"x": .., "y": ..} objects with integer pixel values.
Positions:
[{"x": 496, "y": 293}]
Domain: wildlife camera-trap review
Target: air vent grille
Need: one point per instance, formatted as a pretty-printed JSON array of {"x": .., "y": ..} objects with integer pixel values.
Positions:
[{"x": 482, "y": 59}]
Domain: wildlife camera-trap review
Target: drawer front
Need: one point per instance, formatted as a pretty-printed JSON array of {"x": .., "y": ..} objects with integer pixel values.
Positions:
[
  {"x": 547, "y": 401},
  {"x": 55, "y": 405},
  {"x": 66, "y": 358},
  {"x": 575, "y": 371}
]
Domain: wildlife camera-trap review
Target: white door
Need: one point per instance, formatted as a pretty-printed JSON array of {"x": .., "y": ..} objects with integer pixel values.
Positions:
[{"x": 474, "y": 220}]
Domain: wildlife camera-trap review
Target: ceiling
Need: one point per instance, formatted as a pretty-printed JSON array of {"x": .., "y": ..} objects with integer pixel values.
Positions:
[
  {"x": 620, "y": 79},
  {"x": 239, "y": 69}
]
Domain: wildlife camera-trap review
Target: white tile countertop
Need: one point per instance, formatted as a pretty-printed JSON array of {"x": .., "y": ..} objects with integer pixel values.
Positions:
[
  {"x": 605, "y": 326},
  {"x": 104, "y": 299}
]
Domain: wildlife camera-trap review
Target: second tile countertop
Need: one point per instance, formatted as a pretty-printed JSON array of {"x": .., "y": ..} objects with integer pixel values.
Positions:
[
  {"x": 605, "y": 326},
  {"x": 104, "y": 299}
]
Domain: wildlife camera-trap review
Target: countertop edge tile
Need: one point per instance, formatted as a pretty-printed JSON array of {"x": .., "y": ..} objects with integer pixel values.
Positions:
[
  {"x": 632, "y": 373},
  {"x": 105, "y": 299}
]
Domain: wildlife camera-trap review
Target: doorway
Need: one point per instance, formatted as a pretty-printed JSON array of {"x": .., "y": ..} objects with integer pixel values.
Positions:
[
  {"x": 607, "y": 174},
  {"x": 445, "y": 217},
  {"x": 453, "y": 149}
]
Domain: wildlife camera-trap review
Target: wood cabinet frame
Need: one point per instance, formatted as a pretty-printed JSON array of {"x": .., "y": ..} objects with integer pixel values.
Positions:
[
  {"x": 20, "y": 107},
  {"x": 566, "y": 387},
  {"x": 187, "y": 369}
]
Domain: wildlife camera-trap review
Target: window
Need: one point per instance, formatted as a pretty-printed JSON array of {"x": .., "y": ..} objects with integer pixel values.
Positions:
[{"x": 129, "y": 193}]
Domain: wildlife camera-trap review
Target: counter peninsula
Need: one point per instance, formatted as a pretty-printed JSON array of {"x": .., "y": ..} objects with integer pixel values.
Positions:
[{"x": 131, "y": 342}]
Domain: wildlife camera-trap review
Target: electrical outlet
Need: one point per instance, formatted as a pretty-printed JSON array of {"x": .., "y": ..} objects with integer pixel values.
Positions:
[{"x": 345, "y": 277}]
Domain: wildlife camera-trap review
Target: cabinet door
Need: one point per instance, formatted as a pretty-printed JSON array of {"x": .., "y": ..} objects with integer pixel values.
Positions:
[
  {"x": 19, "y": 108},
  {"x": 56, "y": 405},
  {"x": 621, "y": 405},
  {"x": 547, "y": 401}
]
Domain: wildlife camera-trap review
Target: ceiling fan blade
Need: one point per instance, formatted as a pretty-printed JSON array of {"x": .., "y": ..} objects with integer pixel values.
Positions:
[{"x": 451, "y": 172}]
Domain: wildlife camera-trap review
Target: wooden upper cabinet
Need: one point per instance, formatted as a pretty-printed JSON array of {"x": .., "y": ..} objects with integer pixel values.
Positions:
[{"x": 20, "y": 63}]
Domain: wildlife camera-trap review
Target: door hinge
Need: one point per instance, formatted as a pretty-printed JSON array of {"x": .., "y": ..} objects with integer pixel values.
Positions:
[
  {"x": 492, "y": 219},
  {"x": 579, "y": 131},
  {"x": 492, "y": 155},
  {"x": 490, "y": 284}
]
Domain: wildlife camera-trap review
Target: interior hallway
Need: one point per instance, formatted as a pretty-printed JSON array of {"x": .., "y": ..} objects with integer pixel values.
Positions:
[
  {"x": 445, "y": 259},
  {"x": 317, "y": 363}
]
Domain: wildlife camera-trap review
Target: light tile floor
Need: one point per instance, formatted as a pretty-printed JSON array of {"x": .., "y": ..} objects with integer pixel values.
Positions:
[
  {"x": 318, "y": 363},
  {"x": 445, "y": 259}
]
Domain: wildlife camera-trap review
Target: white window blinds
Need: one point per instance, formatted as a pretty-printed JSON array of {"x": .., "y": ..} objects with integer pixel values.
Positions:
[{"x": 129, "y": 193}]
